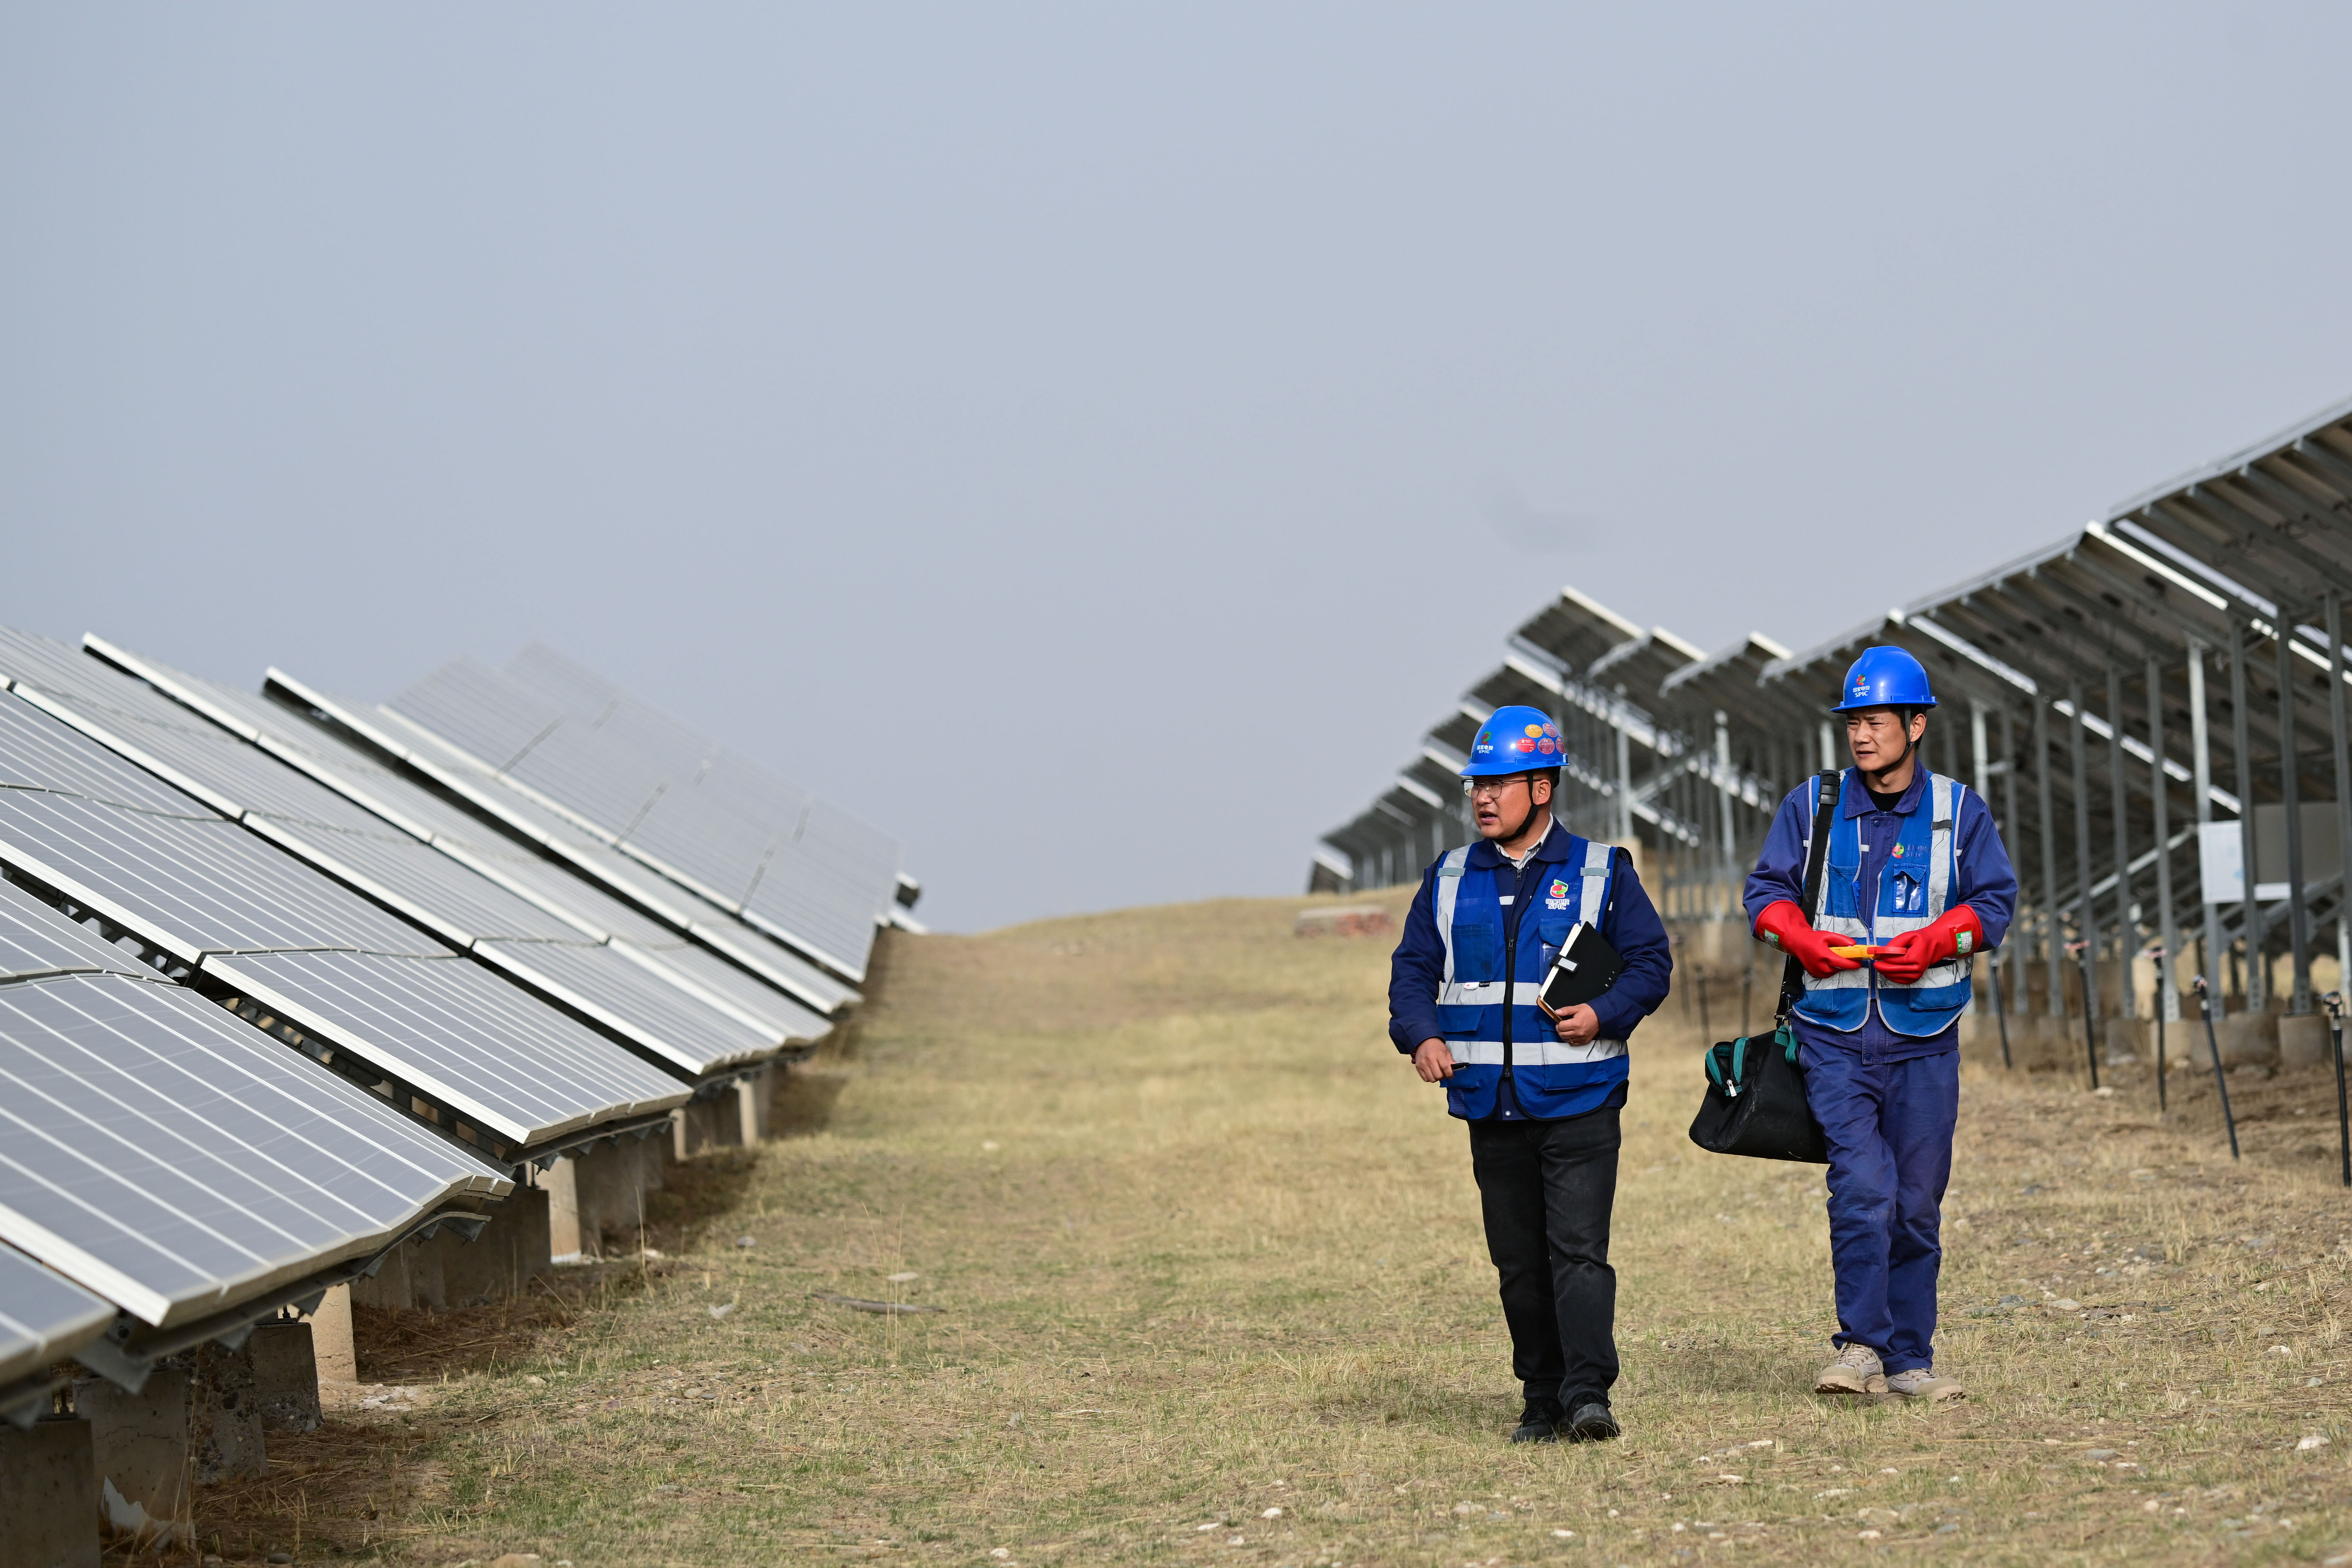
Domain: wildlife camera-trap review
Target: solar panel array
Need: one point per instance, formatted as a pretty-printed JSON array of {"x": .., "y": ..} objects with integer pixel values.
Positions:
[
  {"x": 2170, "y": 677},
  {"x": 276, "y": 994}
]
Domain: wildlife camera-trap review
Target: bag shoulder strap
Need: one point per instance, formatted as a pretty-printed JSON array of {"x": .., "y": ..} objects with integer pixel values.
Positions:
[{"x": 1825, "y": 800}]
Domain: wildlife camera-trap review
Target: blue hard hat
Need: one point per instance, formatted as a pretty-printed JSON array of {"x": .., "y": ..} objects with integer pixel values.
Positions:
[
  {"x": 1885, "y": 678},
  {"x": 1515, "y": 740}
]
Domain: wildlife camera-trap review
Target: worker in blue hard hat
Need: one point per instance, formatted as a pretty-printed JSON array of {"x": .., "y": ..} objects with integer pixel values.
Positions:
[
  {"x": 1917, "y": 873},
  {"x": 1541, "y": 1095}
]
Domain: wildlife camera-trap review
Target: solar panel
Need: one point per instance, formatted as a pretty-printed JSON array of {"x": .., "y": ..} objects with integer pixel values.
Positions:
[
  {"x": 591, "y": 857},
  {"x": 44, "y": 1318},
  {"x": 717, "y": 824},
  {"x": 206, "y": 891},
  {"x": 172, "y": 1159},
  {"x": 674, "y": 1022}
]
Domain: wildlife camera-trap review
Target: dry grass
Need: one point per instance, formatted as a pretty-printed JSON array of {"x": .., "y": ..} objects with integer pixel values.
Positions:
[{"x": 1206, "y": 1248}]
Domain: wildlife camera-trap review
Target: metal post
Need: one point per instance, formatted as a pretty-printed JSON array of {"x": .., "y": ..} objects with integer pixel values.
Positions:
[
  {"x": 2205, "y": 1006},
  {"x": 2086, "y": 925},
  {"x": 2012, "y": 950},
  {"x": 2127, "y": 993},
  {"x": 2168, "y": 988},
  {"x": 2256, "y": 991},
  {"x": 1976, "y": 742},
  {"x": 1729, "y": 898},
  {"x": 1624, "y": 771},
  {"x": 2000, "y": 1012},
  {"x": 2201, "y": 763},
  {"x": 2332, "y": 612},
  {"x": 2082, "y": 950},
  {"x": 2053, "y": 940},
  {"x": 2163, "y": 958},
  {"x": 2343, "y": 1112},
  {"x": 2298, "y": 920}
]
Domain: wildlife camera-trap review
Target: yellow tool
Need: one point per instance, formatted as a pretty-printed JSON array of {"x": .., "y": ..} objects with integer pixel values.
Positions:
[{"x": 1858, "y": 952}]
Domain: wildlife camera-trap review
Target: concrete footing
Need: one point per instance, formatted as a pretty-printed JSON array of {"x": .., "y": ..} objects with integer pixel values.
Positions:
[
  {"x": 596, "y": 1198},
  {"x": 331, "y": 1344},
  {"x": 48, "y": 1495},
  {"x": 285, "y": 1376},
  {"x": 447, "y": 1271},
  {"x": 139, "y": 1455}
]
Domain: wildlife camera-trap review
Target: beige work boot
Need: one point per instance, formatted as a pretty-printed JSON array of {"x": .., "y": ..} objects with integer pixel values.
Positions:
[
  {"x": 1921, "y": 1383},
  {"x": 1856, "y": 1371}
]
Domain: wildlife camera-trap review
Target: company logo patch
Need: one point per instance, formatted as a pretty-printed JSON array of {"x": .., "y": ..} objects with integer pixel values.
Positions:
[
  {"x": 1555, "y": 903},
  {"x": 1558, "y": 890}
]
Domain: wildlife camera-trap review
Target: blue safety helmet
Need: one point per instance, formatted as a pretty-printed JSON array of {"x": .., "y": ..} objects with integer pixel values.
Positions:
[
  {"x": 1885, "y": 678},
  {"x": 1514, "y": 740}
]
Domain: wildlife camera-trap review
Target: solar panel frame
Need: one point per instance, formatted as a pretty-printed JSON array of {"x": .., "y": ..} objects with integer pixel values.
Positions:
[
  {"x": 590, "y": 856},
  {"x": 446, "y": 1026},
  {"x": 175, "y": 1159},
  {"x": 44, "y": 1319}
]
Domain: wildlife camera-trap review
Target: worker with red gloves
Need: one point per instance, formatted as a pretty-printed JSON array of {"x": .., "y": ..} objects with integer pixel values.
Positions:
[{"x": 1917, "y": 877}]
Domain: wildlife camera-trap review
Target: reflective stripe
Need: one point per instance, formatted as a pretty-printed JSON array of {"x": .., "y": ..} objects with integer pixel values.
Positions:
[
  {"x": 1530, "y": 1053},
  {"x": 1596, "y": 881},
  {"x": 1471, "y": 993},
  {"x": 1449, "y": 888}
]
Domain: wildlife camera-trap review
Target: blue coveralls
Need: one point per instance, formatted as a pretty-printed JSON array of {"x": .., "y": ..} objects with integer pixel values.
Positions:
[{"x": 1888, "y": 1100}]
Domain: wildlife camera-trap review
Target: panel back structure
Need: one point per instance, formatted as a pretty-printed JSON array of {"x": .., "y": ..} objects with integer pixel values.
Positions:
[
  {"x": 749, "y": 842},
  {"x": 628, "y": 992},
  {"x": 356, "y": 987},
  {"x": 443, "y": 767}
]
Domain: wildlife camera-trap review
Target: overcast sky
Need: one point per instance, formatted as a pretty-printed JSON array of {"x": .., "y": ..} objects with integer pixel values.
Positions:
[{"x": 1095, "y": 442}]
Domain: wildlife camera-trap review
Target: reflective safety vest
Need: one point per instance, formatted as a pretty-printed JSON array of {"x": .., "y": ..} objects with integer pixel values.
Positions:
[
  {"x": 1914, "y": 891},
  {"x": 1472, "y": 921}
]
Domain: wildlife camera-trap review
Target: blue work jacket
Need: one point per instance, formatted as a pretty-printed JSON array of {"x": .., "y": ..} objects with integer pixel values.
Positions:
[
  {"x": 1856, "y": 1011},
  {"x": 1526, "y": 913}
]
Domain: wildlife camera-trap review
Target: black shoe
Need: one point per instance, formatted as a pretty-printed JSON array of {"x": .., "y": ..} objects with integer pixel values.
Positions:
[
  {"x": 1591, "y": 1424},
  {"x": 1540, "y": 1422}
]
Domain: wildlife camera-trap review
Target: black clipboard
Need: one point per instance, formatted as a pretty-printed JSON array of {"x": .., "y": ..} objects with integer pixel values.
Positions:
[{"x": 1586, "y": 967}]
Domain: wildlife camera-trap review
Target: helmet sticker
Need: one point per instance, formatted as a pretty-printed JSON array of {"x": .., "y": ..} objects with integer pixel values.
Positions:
[
  {"x": 1523, "y": 745},
  {"x": 1545, "y": 746},
  {"x": 1534, "y": 730}
]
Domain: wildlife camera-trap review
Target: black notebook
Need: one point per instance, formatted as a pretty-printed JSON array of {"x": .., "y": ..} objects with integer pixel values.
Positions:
[{"x": 1587, "y": 966}]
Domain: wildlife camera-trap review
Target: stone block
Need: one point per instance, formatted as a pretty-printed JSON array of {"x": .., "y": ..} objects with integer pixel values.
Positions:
[
  {"x": 224, "y": 1431},
  {"x": 2249, "y": 1037},
  {"x": 704, "y": 1124},
  {"x": 388, "y": 1286},
  {"x": 331, "y": 1344},
  {"x": 48, "y": 1495},
  {"x": 285, "y": 1375},
  {"x": 2304, "y": 1040},
  {"x": 139, "y": 1455},
  {"x": 755, "y": 1093}
]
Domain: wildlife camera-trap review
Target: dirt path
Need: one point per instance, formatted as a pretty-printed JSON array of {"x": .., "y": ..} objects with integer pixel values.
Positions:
[{"x": 1211, "y": 1287}]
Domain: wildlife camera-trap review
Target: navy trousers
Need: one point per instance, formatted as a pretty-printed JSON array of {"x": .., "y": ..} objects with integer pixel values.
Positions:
[{"x": 1889, "y": 1129}]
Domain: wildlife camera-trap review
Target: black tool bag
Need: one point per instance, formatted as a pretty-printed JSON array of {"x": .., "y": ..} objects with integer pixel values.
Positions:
[{"x": 1755, "y": 1101}]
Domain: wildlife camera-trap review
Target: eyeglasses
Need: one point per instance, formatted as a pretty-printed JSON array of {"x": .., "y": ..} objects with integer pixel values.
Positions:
[{"x": 1474, "y": 788}]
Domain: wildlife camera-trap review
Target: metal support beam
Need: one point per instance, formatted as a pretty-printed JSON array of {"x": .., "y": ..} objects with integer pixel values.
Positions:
[
  {"x": 2298, "y": 914},
  {"x": 2332, "y": 614},
  {"x": 2126, "y": 1002},
  {"x": 2201, "y": 745},
  {"x": 2240, "y": 648},
  {"x": 2013, "y": 947},
  {"x": 2047, "y": 893},
  {"x": 2168, "y": 989},
  {"x": 2086, "y": 924}
]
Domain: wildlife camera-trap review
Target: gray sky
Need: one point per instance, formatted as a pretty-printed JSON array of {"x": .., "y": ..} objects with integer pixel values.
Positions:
[{"x": 1095, "y": 442}]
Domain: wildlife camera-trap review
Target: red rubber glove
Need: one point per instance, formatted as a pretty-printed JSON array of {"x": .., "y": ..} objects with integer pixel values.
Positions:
[
  {"x": 1785, "y": 927},
  {"x": 1908, "y": 956}
]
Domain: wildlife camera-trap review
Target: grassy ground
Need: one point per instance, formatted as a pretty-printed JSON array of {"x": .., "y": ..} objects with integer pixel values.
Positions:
[{"x": 1211, "y": 1288}]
